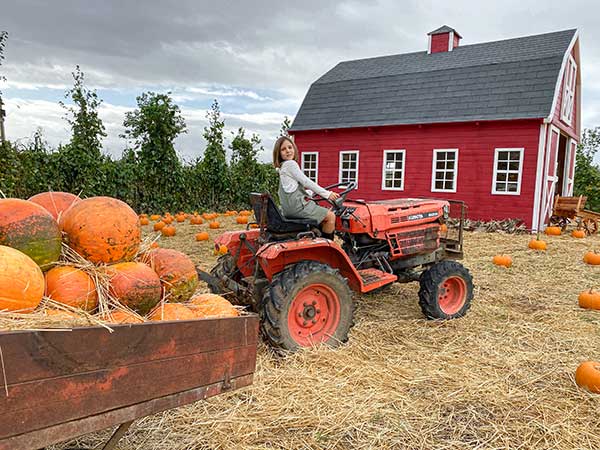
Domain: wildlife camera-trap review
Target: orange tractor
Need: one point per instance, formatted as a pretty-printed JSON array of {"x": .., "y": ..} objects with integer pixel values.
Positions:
[{"x": 301, "y": 283}]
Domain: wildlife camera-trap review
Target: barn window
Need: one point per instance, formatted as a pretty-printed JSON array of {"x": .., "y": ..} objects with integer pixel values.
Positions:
[
  {"x": 310, "y": 165},
  {"x": 568, "y": 99},
  {"x": 508, "y": 167},
  {"x": 349, "y": 167},
  {"x": 444, "y": 170},
  {"x": 393, "y": 170}
]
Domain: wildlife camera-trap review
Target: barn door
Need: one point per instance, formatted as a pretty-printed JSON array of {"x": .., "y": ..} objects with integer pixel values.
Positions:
[
  {"x": 550, "y": 178},
  {"x": 570, "y": 168}
]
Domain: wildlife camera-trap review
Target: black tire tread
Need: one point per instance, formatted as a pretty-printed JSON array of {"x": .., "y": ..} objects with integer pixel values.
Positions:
[{"x": 429, "y": 283}]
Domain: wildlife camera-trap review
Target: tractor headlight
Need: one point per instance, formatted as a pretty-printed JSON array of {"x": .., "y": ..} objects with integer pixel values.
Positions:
[{"x": 446, "y": 211}]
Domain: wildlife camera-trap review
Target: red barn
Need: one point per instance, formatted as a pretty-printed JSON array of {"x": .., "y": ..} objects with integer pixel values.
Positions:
[{"x": 493, "y": 124}]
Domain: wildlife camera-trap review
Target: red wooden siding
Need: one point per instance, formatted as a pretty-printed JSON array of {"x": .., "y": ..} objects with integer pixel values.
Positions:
[
  {"x": 439, "y": 42},
  {"x": 570, "y": 130},
  {"x": 476, "y": 144},
  {"x": 456, "y": 38}
]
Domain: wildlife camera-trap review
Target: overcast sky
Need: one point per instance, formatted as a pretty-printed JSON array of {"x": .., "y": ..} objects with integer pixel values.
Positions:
[{"x": 257, "y": 58}]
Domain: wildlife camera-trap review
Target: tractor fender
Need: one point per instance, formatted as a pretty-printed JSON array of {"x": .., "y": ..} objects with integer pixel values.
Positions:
[{"x": 274, "y": 257}]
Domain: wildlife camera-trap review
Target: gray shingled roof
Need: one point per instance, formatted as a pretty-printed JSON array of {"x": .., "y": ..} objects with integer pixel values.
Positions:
[{"x": 508, "y": 79}]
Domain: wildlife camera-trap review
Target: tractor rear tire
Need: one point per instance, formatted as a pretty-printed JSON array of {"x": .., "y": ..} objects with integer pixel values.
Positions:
[
  {"x": 306, "y": 304},
  {"x": 446, "y": 291}
]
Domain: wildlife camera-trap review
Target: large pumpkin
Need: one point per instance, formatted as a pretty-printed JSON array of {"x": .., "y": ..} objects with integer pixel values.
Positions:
[
  {"x": 102, "y": 230},
  {"x": 56, "y": 203},
  {"x": 176, "y": 271},
  {"x": 172, "y": 311},
  {"x": 71, "y": 286},
  {"x": 122, "y": 316},
  {"x": 212, "y": 305},
  {"x": 28, "y": 227},
  {"x": 135, "y": 285},
  {"x": 21, "y": 281}
]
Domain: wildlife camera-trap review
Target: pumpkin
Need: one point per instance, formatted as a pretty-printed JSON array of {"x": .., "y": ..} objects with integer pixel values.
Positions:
[
  {"x": 553, "y": 231},
  {"x": 578, "y": 233},
  {"x": 103, "y": 230},
  {"x": 202, "y": 236},
  {"x": 241, "y": 219},
  {"x": 168, "y": 220},
  {"x": 592, "y": 258},
  {"x": 144, "y": 221},
  {"x": 72, "y": 286},
  {"x": 121, "y": 316},
  {"x": 245, "y": 213},
  {"x": 29, "y": 228},
  {"x": 587, "y": 376},
  {"x": 135, "y": 285},
  {"x": 589, "y": 299},
  {"x": 155, "y": 217},
  {"x": 220, "y": 249},
  {"x": 21, "y": 281},
  {"x": 172, "y": 311},
  {"x": 212, "y": 305},
  {"x": 154, "y": 245},
  {"x": 196, "y": 220},
  {"x": 168, "y": 231},
  {"x": 180, "y": 218},
  {"x": 254, "y": 225},
  {"x": 443, "y": 228},
  {"x": 177, "y": 273},
  {"x": 537, "y": 244},
  {"x": 55, "y": 202},
  {"x": 502, "y": 260},
  {"x": 214, "y": 225},
  {"x": 159, "y": 225}
]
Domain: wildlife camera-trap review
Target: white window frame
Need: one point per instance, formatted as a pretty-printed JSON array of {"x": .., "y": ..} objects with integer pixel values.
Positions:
[
  {"x": 316, "y": 180},
  {"x": 496, "y": 172},
  {"x": 384, "y": 170},
  {"x": 434, "y": 169},
  {"x": 341, "y": 158},
  {"x": 568, "y": 95}
]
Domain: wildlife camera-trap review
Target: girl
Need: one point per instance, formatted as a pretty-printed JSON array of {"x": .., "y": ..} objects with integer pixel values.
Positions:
[{"x": 292, "y": 188}]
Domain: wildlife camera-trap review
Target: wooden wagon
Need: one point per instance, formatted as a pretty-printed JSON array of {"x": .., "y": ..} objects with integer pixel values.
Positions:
[
  {"x": 59, "y": 384},
  {"x": 571, "y": 209}
]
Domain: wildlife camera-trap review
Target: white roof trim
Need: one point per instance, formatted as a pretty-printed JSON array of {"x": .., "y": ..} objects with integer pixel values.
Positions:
[{"x": 557, "y": 88}]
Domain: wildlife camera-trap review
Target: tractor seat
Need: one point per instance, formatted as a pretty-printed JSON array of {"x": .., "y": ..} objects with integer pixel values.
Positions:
[{"x": 275, "y": 221}]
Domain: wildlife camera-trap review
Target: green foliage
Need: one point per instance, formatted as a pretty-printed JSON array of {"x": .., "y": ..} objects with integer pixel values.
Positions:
[
  {"x": 246, "y": 172},
  {"x": 3, "y": 39},
  {"x": 587, "y": 174},
  {"x": 213, "y": 170},
  {"x": 285, "y": 126},
  {"x": 153, "y": 126}
]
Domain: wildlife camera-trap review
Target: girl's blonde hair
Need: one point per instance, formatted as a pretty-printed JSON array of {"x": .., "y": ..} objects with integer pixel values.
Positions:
[{"x": 277, "y": 150}]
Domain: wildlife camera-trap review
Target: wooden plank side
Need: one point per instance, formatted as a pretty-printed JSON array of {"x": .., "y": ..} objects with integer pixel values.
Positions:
[
  {"x": 39, "y": 355},
  {"x": 43, "y": 403},
  {"x": 69, "y": 430}
]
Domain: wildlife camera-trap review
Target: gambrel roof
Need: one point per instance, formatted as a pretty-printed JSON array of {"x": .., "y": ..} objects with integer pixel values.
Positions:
[{"x": 509, "y": 79}]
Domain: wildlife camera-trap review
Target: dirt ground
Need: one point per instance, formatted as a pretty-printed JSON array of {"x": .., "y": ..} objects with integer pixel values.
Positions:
[{"x": 501, "y": 377}]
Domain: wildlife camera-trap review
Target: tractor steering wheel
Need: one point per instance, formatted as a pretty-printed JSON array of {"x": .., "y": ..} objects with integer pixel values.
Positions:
[{"x": 337, "y": 204}]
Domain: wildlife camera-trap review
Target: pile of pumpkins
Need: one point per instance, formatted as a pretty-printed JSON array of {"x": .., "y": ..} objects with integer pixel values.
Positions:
[{"x": 159, "y": 284}]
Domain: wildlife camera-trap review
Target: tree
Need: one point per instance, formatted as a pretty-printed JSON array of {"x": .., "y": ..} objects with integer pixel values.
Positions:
[
  {"x": 3, "y": 39},
  {"x": 154, "y": 126},
  {"x": 587, "y": 174},
  {"x": 213, "y": 168},
  {"x": 285, "y": 126},
  {"x": 246, "y": 173},
  {"x": 81, "y": 159}
]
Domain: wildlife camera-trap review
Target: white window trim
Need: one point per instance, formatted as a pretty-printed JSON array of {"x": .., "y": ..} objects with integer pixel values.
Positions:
[
  {"x": 385, "y": 152},
  {"x": 433, "y": 169},
  {"x": 316, "y": 164},
  {"x": 521, "y": 153},
  {"x": 348, "y": 152},
  {"x": 569, "y": 91}
]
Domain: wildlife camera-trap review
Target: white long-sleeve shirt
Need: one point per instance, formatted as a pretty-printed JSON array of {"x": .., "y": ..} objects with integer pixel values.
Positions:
[{"x": 291, "y": 176}]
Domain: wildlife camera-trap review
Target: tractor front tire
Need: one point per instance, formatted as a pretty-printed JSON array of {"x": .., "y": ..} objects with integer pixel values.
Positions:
[
  {"x": 306, "y": 304},
  {"x": 446, "y": 291}
]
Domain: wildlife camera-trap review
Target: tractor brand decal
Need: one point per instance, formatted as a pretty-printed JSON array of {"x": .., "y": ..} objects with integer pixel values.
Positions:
[{"x": 422, "y": 215}]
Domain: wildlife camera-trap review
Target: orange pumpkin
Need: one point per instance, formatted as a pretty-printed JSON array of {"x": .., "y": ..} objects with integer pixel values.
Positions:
[
  {"x": 245, "y": 212},
  {"x": 254, "y": 225},
  {"x": 168, "y": 220},
  {"x": 202, "y": 236},
  {"x": 21, "y": 281},
  {"x": 220, "y": 250},
  {"x": 55, "y": 202},
  {"x": 168, "y": 231},
  {"x": 443, "y": 228},
  {"x": 135, "y": 285},
  {"x": 214, "y": 225},
  {"x": 121, "y": 316},
  {"x": 196, "y": 220},
  {"x": 502, "y": 260},
  {"x": 587, "y": 376},
  {"x": 144, "y": 221},
  {"x": 28, "y": 227},
  {"x": 103, "y": 230},
  {"x": 592, "y": 258},
  {"x": 155, "y": 217},
  {"x": 154, "y": 245},
  {"x": 159, "y": 225},
  {"x": 537, "y": 244},
  {"x": 553, "y": 231},
  {"x": 177, "y": 273},
  {"x": 589, "y": 299},
  {"x": 180, "y": 218},
  {"x": 241, "y": 219},
  {"x": 212, "y": 305},
  {"x": 579, "y": 234},
  {"x": 172, "y": 311},
  {"x": 71, "y": 286}
]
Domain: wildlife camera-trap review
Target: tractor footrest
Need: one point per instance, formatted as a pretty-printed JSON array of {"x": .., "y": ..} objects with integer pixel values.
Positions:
[{"x": 373, "y": 278}]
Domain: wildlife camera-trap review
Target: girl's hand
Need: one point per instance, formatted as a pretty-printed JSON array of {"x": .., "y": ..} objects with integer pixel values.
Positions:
[{"x": 333, "y": 196}]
